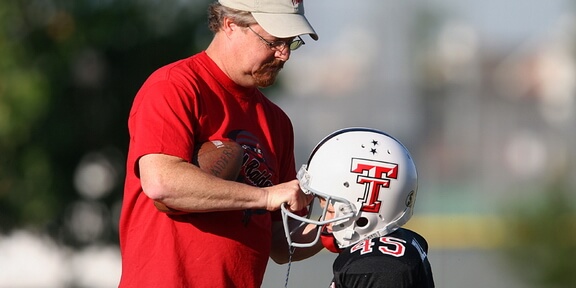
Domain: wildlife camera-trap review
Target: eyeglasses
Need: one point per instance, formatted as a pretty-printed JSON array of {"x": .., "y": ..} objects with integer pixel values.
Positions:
[{"x": 280, "y": 45}]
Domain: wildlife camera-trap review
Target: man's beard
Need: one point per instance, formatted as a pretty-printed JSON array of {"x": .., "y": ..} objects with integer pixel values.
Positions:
[{"x": 266, "y": 75}]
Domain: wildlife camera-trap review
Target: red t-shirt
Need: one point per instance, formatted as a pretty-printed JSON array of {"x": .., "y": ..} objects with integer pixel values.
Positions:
[{"x": 184, "y": 103}]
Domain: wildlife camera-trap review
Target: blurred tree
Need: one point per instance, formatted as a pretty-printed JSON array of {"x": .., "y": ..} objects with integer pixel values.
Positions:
[
  {"x": 69, "y": 70},
  {"x": 542, "y": 238}
]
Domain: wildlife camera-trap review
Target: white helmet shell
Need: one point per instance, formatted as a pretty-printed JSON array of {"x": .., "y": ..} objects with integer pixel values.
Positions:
[{"x": 370, "y": 179}]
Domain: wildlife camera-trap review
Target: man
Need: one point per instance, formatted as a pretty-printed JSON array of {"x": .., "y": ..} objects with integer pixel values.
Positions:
[
  {"x": 229, "y": 228},
  {"x": 366, "y": 182}
]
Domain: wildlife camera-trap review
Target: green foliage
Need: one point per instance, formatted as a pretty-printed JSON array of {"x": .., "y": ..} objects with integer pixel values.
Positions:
[
  {"x": 68, "y": 73},
  {"x": 542, "y": 239}
]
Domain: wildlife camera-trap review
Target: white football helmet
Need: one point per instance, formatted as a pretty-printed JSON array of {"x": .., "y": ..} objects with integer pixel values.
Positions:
[{"x": 367, "y": 176}]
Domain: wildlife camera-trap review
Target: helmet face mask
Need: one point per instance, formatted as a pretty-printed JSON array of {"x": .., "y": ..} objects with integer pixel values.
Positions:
[{"x": 367, "y": 177}]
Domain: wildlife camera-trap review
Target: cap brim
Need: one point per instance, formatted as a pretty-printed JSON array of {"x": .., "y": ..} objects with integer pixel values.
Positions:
[{"x": 285, "y": 25}]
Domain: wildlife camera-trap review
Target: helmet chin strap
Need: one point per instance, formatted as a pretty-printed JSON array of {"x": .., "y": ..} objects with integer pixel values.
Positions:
[{"x": 291, "y": 252}]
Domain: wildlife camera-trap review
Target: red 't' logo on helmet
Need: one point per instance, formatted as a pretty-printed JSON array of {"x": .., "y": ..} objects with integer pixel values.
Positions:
[{"x": 373, "y": 175}]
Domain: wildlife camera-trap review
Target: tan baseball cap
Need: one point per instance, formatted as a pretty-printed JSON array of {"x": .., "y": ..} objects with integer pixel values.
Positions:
[{"x": 280, "y": 18}]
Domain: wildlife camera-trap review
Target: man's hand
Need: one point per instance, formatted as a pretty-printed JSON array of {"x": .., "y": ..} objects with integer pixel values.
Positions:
[{"x": 289, "y": 193}]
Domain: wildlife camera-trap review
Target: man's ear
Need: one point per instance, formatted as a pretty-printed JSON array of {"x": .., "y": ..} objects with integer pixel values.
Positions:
[{"x": 228, "y": 26}]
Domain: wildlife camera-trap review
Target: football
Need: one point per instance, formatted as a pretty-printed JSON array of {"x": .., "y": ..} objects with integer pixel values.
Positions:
[{"x": 221, "y": 158}]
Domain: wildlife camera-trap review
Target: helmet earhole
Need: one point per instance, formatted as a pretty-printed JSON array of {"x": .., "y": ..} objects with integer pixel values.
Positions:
[
  {"x": 362, "y": 221},
  {"x": 346, "y": 184}
]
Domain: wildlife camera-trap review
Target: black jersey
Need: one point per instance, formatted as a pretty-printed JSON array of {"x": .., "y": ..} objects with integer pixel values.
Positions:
[{"x": 397, "y": 260}]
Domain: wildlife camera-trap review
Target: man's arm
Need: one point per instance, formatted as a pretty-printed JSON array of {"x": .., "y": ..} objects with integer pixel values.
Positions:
[{"x": 183, "y": 186}]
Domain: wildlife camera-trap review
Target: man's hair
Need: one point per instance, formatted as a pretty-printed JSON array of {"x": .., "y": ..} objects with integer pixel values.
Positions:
[{"x": 217, "y": 13}]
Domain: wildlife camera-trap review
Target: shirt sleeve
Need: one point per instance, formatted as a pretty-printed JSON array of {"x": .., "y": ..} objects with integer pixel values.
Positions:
[{"x": 162, "y": 121}]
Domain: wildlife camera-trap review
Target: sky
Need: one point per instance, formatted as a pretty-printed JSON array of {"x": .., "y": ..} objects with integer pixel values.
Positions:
[
  {"x": 375, "y": 33},
  {"x": 498, "y": 18},
  {"x": 508, "y": 19}
]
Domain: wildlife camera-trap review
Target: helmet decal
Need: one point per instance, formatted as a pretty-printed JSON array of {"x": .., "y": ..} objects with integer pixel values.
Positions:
[
  {"x": 410, "y": 199},
  {"x": 374, "y": 175}
]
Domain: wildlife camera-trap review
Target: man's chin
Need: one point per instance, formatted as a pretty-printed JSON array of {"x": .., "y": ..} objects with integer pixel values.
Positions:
[
  {"x": 264, "y": 85},
  {"x": 265, "y": 82}
]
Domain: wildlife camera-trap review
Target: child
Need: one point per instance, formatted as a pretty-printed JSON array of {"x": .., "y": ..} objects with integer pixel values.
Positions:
[{"x": 366, "y": 182}]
